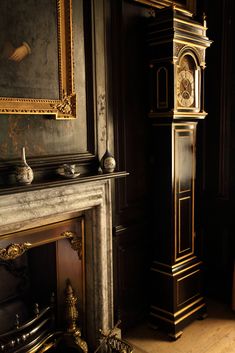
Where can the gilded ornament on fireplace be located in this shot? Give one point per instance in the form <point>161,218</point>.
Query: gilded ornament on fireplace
<point>112,343</point>
<point>75,241</point>
<point>13,251</point>
<point>71,316</point>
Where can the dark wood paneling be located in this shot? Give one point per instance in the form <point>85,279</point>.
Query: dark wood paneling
<point>132,152</point>
<point>131,274</point>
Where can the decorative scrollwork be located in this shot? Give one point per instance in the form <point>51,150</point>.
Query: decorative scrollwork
<point>112,343</point>
<point>13,251</point>
<point>65,107</point>
<point>75,241</point>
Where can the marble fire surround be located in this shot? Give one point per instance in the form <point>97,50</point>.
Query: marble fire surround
<point>35,208</point>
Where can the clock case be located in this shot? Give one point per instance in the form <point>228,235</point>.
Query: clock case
<point>176,271</point>
<point>173,36</point>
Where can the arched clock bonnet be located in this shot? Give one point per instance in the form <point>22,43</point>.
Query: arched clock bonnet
<point>176,53</point>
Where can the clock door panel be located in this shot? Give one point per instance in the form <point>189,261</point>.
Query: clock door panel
<point>184,137</point>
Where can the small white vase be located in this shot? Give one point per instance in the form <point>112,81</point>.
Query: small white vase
<point>24,174</point>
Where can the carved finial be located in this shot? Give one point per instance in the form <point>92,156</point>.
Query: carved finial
<point>204,17</point>
<point>71,308</point>
<point>71,316</point>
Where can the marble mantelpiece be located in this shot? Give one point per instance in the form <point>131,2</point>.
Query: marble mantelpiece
<point>35,208</point>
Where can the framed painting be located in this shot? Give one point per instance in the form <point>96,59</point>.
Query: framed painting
<point>36,58</point>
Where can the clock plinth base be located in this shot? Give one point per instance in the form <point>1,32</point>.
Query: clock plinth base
<point>175,336</point>
<point>176,296</point>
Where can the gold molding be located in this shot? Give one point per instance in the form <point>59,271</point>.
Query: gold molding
<point>163,272</point>
<point>13,251</point>
<point>192,136</point>
<point>65,106</point>
<point>177,313</point>
<point>160,4</point>
<point>177,273</point>
<point>176,265</point>
<point>180,319</point>
<point>191,24</point>
<point>189,43</point>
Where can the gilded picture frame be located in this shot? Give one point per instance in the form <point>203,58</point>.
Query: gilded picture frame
<point>37,75</point>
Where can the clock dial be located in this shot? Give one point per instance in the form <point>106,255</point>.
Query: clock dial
<point>185,88</point>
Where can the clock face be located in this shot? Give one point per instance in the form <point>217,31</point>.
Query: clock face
<point>185,88</point>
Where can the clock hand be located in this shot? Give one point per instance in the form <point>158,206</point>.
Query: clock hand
<point>185,84</point>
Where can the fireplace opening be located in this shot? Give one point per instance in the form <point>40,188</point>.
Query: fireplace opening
<point>38,268</point>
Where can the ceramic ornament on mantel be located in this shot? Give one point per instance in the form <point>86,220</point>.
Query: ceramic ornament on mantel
<point>107,162</point>
<point>24,173</point>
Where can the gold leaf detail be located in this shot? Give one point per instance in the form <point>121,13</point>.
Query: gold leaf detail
<point>13,251</point>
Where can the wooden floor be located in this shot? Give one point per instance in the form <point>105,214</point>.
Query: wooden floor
<point>215,334</point>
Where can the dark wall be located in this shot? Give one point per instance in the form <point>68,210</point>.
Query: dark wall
<point>131,216</point>
<point>217,139</point>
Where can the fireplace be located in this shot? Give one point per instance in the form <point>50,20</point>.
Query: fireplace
<point>63,232</point>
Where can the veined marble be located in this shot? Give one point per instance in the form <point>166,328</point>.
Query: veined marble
<point>40,207</point>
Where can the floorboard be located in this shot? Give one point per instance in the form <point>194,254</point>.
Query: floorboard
<point>215,334</point>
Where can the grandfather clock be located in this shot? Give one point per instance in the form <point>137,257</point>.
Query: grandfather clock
<point>176,53</point>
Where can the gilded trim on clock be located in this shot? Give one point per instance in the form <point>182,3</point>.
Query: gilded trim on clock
<point>177,313</point>
<point>160,4</point>
<point>176,265</point>
<point>176,218</point>
<point>180,319</point>
<point>176,273</point>
<point>191,24</point>
<point>196,45</point>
